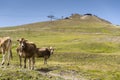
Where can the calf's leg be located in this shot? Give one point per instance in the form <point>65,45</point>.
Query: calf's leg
<point>45,59</point>
<point>20,61</point>
<point>33,62</point>
<point>25,63</point>
<point>29,63</point>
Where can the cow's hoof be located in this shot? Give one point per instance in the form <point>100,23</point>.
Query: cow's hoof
<point>8,64</point>
<point>32,68</point>
<point>24,66</point>
<point>3,63</point>
<point>20,66</point>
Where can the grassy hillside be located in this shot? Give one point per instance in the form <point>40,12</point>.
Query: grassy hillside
<point>86,48</point>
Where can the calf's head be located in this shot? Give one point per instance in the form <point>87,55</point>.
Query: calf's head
<point>51,49</point>
<point>22,43</point>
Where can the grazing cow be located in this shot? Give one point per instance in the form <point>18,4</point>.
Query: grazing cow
<point>45,53</point>
<point>26,50</point>
<point>5,46</point>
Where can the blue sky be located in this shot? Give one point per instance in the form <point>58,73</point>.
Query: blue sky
<point>18,12</point>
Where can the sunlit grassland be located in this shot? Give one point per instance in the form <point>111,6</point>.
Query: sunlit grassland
<point>89,55</point>
<point>81,51</point>
<point>69,42</point>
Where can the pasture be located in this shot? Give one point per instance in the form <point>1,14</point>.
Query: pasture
<point>92,54</point>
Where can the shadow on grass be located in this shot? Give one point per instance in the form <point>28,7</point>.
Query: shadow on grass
<point>48,69</point>
<point>45,70</point>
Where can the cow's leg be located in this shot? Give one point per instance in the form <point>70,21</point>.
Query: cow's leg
<point>4,57</point>
<point>20,61</point>
<point>33,62</point>
<point>11,54</point>
<point>25,63</point>
<point>45,60</point>
<point>29,63</point>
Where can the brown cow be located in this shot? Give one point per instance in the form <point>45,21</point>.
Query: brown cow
<point>45,53</point>
<point>6,45</point>
<point>26,50</point>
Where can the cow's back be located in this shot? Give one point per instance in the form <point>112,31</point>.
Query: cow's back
<point>41,52</point>
<point>30,50</point>
<point>5,43</point>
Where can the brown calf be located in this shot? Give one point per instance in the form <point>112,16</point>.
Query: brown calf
<point>26,50</point>
<point>45,53</point>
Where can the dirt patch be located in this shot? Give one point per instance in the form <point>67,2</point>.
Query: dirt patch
<point>63,74</point>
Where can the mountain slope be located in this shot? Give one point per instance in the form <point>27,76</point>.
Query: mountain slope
<point>86,23</point>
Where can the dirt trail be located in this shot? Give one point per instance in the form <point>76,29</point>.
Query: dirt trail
<point>62,75</point>
<point>67,77</point>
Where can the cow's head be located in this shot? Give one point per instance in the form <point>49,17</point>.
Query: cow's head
<point>51,49</point>
<point>22,43</point>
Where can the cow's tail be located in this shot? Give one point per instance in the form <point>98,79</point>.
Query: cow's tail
<point>10,45</point>
<point>11,49</point>
<point>11,54</point>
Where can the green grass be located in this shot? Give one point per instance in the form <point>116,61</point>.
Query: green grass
<point>82,50</point>
<point>88,55</point>
<point>22,74</point>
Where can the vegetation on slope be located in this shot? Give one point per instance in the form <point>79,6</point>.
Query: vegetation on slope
<point>86,49</point>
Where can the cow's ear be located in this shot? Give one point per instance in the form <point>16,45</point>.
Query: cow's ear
<point>26,40</point>
<point>18,40</point>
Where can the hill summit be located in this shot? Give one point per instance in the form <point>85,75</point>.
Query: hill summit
<point>87,17</point>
